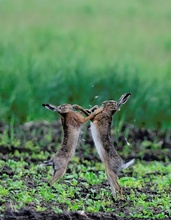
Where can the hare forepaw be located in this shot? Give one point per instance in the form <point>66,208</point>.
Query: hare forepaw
<point>76,107</point>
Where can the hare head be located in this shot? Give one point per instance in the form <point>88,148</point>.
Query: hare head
<point>62,109</point>
<point>113,106</point>
<point>65,108</point>
<point>110,105</point>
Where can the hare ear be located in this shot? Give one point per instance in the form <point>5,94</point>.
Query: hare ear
<point>50,107</point>
<point>123,99</point>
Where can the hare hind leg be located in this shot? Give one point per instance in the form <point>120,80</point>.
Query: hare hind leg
<point>112,186</point>
<point>113,180</point>
<point>57,174</point>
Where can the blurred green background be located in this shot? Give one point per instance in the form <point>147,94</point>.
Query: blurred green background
<point>86,52</point>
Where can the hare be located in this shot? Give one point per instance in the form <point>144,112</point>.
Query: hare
<point>71,123</point>
<point>101,132</point>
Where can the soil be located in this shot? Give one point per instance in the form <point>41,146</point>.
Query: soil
<point>131,142</point>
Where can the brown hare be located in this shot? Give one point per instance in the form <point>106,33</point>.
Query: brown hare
<point>71,123</point>
<point>101,132</point>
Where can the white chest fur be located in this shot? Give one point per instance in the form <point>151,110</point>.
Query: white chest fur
<point>96,139</point>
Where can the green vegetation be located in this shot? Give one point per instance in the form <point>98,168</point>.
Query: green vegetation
<point>85,52</point>
<point>74,51</point>
<point>28,187</point>
<point>23,183</point>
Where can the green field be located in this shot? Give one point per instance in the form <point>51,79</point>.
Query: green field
<point>84,187</point>
<point>76,51</point>
<point>84,52</point>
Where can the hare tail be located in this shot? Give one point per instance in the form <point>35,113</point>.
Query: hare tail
<point>126,165</point>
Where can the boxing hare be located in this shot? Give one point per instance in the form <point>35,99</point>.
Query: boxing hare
<point>71,123</point>
<point>101,133</point>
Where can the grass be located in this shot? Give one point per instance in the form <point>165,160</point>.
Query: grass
<point>84,186</point>
<point>75,51</point>
<point>17,193</point>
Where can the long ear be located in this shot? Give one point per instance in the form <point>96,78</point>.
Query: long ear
<point>50,107</point>
<point>123,99</point>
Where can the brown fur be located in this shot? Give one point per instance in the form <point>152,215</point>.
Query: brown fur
<point>101,132</point>
<point>71,123</point>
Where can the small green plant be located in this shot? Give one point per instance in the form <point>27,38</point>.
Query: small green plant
<point>39,208</point>
<point>132,182</point>
<point>3,192</point>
